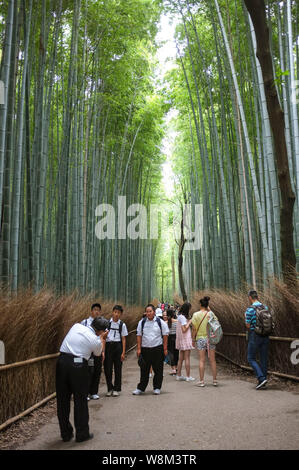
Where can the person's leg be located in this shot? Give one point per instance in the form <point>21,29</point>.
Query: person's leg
<point>95,375</point>
<point>180,363</point>
<point>145,369</point>
<point>79,385</point>
<point>263,345</point>
<point>176,357</point>
<point>117,364</point>
<point>158,362</point>
<point>251,356</point>
<point>108,366</point>
<point>63,397</point>
<point>174,354</point>
<point>187,363</point>
<point>202,361</point>
<point>212,360</point>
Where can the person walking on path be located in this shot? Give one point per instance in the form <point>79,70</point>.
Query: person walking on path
<point>184,341</point>
<point>95,362</point>
<point>256,343</point>
<point>152,336</point>
<point>72,376</point>
<point>200,338</point>
<point>115,351</point>
<point>173,352</point>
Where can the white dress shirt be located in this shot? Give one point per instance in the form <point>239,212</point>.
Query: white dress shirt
<point>151,336</point>
<point>159,312</point>
<point>113,335</point>
<point>82,341</point>
<point>87,321</point>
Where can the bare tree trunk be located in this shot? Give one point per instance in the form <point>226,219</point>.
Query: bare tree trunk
<point>256,9</point>
<point>180,260</point>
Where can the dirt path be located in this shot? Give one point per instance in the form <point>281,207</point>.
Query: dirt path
<point>184,417</point>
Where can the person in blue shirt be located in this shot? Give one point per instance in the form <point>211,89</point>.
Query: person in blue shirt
<point>256,343</point>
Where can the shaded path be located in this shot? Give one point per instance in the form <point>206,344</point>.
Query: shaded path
<point>184,417</point>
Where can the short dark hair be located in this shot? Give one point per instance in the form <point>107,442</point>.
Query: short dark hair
<point>100,324</point>
<point>152,307</point>
<point>118,307</point>
<point>253,294</point>
<point>96,305</point>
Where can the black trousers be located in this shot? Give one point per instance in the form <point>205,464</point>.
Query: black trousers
<point>173,352</point>
<point>153,357</point>
<point>72,379</point>
<point>112,361</point>
<point>94,375</point>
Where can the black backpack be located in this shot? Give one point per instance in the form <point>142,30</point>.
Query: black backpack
<point>264,320</point>
<point>158,321</point>
<point>119,329</point>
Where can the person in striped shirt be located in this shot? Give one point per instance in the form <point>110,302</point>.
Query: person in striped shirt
<point>256,343</point>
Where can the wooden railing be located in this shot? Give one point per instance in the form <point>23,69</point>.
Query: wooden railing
<point>283,339</point>
<point>44,400</point>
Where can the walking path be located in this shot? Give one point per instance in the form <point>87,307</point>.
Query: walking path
<point>184,417</point>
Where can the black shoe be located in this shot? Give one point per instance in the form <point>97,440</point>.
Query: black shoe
<point>261,384</point>
<point>68,438</point>
<point>82,439</point>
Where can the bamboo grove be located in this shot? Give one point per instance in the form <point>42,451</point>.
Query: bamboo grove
<point>224,155</point>
<point>81,125</point>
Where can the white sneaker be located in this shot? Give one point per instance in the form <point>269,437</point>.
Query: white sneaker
<point>115,393</point>
<point>189,379</point>
<point>157,391</point>
<point>94,397</point>
<point>180,377</point>
<point>109,394</point>
<point>200,384</point>
<point>137,392</point>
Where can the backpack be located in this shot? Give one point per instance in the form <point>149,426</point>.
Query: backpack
<point>214,329</point>
<point>264,320</point>
<point>158,321</point>
<point>120,325</point>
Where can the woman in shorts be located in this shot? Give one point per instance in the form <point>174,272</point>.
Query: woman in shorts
<point>200,338</point>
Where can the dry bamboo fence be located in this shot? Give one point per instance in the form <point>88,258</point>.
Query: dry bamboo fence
<point>233,347</point>
<point>17,400</point>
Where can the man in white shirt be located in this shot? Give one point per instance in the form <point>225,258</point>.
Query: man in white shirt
<point>152,338</point>
<point>95,363</point>
<point>159,312</point>
<point>115,351</point>
<point>72,376</point>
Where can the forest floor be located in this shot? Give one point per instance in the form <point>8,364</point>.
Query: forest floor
<point>184,417</point>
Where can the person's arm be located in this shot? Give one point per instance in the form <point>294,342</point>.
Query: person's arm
<point>123,340</point>
<point>185,328</point>
<point>103,338</point>
<point>248,318</point>
<point>139,339</point>
<point>193,333</point>
<point>165,343</point>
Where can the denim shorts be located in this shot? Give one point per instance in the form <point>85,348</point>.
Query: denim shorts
<point>202,344</point>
